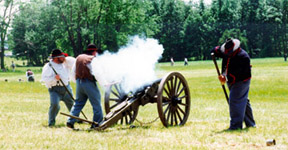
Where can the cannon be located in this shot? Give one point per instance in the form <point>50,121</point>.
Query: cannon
<point>171,93</point>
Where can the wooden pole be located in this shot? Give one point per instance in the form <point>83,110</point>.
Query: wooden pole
<point>85,120</point>
<point>218,72</point>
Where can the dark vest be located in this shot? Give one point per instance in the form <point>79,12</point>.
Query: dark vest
<point>82,71</point>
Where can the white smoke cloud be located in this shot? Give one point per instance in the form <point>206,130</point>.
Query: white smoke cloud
<point>133,65</point>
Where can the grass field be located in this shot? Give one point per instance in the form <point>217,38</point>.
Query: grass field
<point>24,114</point>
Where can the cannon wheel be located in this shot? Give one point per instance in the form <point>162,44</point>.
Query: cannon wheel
<point>173,100</point>
<point>113,97</point>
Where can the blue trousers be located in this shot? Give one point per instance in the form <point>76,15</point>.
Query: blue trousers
<point>86,89</point>
<point>58,93</point>
<point>239,106</point>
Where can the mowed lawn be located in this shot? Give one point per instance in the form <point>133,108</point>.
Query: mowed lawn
<point>24,114</point>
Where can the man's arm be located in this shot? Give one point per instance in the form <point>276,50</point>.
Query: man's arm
<point>47,74</point>
<point>217,52</point>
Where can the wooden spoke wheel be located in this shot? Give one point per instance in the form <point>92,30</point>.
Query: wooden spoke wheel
<point>173,100</point>
<point>114,95</point>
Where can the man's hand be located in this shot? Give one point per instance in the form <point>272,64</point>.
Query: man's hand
<point>57,77</point>
<point>222,79</point>
<point>215,49</point>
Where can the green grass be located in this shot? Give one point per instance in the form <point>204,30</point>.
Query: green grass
<point>24,113</point>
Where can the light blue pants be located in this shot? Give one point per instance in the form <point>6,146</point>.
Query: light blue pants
<point>58,93</point>
<point>86,89</point>
<point>239,106</point>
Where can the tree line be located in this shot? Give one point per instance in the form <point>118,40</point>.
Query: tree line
<point>184,29</point>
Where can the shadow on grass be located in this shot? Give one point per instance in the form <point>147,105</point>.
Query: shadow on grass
<point>110,129</point>
<point>234,131</point>
<point>55,126</point>
<point>107,130</point>
<point>133,127</point>
<point>62,125</point>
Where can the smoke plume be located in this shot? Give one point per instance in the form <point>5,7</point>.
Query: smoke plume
<point>132,66</point>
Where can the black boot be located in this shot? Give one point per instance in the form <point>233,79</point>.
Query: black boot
<point>70,125</point>
<point>93,126</point>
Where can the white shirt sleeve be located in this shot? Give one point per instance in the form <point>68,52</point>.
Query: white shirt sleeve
<point>73,73</point>
<point>48,76</point>
<point>69,63</point>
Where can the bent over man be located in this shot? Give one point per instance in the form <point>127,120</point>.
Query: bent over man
<point>86,87</point>
<point>56,90</point>
<point>236,71</point>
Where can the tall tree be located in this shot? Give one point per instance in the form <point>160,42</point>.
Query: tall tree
<point>5,22</point>
<point>250,21</point>
<point>201,32</point>
<point>172,18</point>
<point>270,21</point>
<point>285,25</point>
<point>107,23</point>
<point>34,32</point>
<point>71,17</point>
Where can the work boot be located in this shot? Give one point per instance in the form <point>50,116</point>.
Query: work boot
<point>51,125</point>
<point>80,121</point>
<point>254,126</point>
<point>70,125</point>
<point>93,126</point>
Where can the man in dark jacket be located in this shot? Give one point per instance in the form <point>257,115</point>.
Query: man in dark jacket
<point>236,71</point>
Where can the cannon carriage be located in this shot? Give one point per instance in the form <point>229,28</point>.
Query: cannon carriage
<point>171,94</point>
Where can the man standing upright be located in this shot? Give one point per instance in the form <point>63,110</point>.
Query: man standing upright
<point>172,61</point>
<point>56,90</point>
<point>236,71</point>
<point>86,87</point>
<point>13,66</point>
<point>185,61</point>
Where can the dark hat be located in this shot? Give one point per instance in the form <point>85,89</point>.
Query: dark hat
<point>230,46</point>
<point>57,53</point>
<point>91,47</point>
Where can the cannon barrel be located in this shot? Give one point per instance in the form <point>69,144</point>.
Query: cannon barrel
<point>142,96</point>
